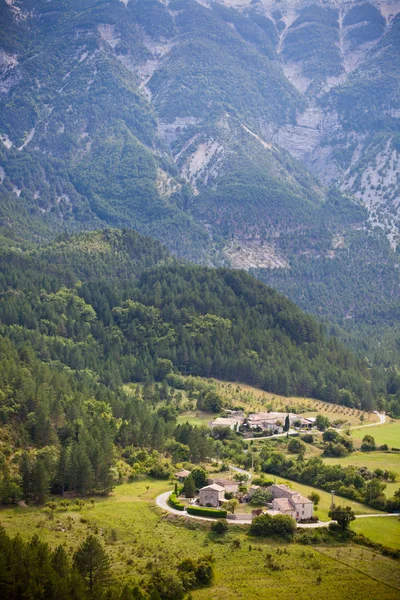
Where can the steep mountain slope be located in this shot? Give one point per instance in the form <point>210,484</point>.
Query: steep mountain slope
<point>148,115</point>
<point>237,132</point>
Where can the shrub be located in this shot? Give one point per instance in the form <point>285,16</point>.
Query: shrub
<point>296,446</point>
<point>196,573</point>
<point>308,438</point>
<point>261,497</point>
<point>174,502</point>
<point>213,513</point>
<point>368,444</point>
<point>220,526</point>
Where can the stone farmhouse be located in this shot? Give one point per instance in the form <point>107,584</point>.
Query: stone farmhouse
<point>271,421</point>
<point>181,476</point>
<point>212,495</point>
<point>290,502</point>
<point>232,422</point>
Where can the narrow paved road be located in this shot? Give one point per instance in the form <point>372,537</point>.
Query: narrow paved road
<point>162,502</point>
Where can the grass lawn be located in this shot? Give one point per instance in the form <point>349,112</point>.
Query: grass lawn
<point>138,537</point>
<point>325,502</point>
<point>384,530</point>
<point>372,460</point>
<point>389,434</point>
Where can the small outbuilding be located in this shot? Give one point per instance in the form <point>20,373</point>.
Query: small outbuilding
<point>182,475</point>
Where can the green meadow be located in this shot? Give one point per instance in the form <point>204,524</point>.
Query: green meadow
<point>384,530</point>
<point>371,460</point>
<point>389,433</point>
<point>138,537</point>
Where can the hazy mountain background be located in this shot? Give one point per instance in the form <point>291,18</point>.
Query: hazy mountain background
<point>262,135</point>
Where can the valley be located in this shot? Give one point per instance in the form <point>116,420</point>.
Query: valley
<point>199,299</point>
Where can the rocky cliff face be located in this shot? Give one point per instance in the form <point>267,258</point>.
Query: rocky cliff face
<point>215,121</point>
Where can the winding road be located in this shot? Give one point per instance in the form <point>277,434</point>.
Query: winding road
<point>162,502</point>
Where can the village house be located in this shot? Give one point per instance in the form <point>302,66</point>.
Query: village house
<point>212,495</point>
<point>290,502</point>
<point>271,421</point>
<point>232,422</point>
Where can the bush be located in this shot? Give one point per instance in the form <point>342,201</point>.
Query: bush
<point>174,502</point>
<point>196,573</point>
<point>214,513</point>
<point>308,438</point>
<point>279,526</point>
<point>368,444</point>
<point>296,446</point>
<point>220,526</point>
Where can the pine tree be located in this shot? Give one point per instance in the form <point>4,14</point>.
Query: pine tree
<point>92,562</point>
<point>40,482</point>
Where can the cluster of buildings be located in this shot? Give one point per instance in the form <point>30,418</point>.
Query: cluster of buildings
<point>284,500</point>
<point>270,422</point>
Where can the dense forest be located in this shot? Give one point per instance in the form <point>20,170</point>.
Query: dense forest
<point>84,316</point>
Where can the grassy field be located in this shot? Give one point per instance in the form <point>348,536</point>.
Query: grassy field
<point>384,530</point>
<point>366,561</point>
<point>138,537</point>
<point>196,417</point>
<point>326,499</point>
<point>389,434</point>
<point>371,460</point>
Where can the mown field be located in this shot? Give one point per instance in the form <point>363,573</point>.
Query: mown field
<point>371,460</point>
<point>384,530</point>
<point>138,537</point>
<point>389,433</point>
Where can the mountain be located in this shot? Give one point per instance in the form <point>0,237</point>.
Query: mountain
<point>238,133</point>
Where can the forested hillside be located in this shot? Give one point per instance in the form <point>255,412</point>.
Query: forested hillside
<point>85,315</point>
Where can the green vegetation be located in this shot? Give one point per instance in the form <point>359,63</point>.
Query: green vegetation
<point>383,530</point>
<point>281,526</point>
<point>389,434</point>
<point>372,460</point>
<point>174,502</point>
<point>135,537</point>
<point>314,32</point>
<point>212,513</point>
